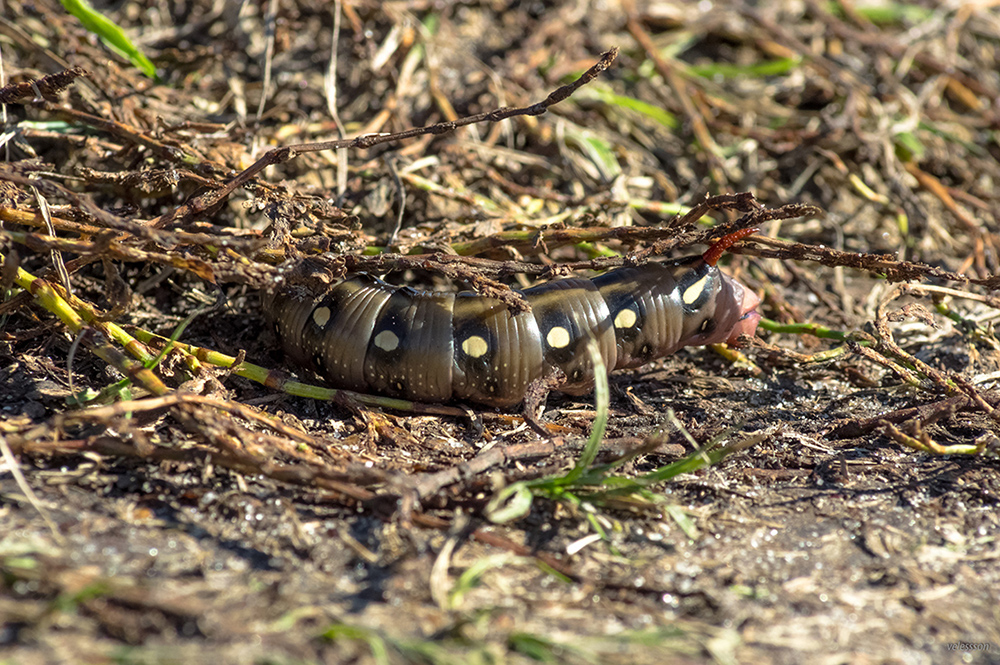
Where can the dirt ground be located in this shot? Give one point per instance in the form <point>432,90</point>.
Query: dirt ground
<point>184,511</point>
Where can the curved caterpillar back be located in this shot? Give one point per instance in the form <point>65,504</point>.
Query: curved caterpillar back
<point>365,335</point>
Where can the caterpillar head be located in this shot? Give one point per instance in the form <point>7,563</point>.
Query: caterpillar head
<point>717,308</point>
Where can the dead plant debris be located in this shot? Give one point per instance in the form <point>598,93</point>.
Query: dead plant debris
<point>166,487</point>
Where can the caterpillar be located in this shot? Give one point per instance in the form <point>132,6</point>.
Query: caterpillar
<point>428,346</point>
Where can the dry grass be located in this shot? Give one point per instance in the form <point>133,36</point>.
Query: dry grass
<point>187,500</point>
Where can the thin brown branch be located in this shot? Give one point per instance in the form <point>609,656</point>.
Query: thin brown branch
<point>880,264</point>
<point>209,201</point>
<point>46,86</point>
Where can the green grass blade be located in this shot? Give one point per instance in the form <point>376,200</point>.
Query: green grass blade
<point>174,336</point>
<point>756,70</point>
<point>707,456</point>
<point>596,149</point>
<point>682,520</point>
<point>693,462</point>
<point>509,504</point>
<point>112,36</point>
<point>602,395</point>
<point>885,13</point>
<point>651,111</point>
<point>375,642</point>
<point>472,575</point>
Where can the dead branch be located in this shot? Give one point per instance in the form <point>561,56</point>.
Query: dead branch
<point>211,200</point>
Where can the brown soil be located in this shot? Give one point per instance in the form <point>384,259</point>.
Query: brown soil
<point>196,516</point>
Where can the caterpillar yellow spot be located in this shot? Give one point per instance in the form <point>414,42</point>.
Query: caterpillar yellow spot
<point>558,337</point>
<point>625,319</point>
<point>387,340</point>
<point>475,346</point>
<point>693,292</point>
<point>321,316</point>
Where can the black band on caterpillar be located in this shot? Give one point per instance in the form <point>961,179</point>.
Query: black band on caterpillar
<point>368,336</point>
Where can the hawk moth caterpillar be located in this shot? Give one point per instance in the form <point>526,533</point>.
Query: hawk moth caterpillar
<point>368,336</point>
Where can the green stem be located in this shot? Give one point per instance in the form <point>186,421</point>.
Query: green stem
<point>814,329</point>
